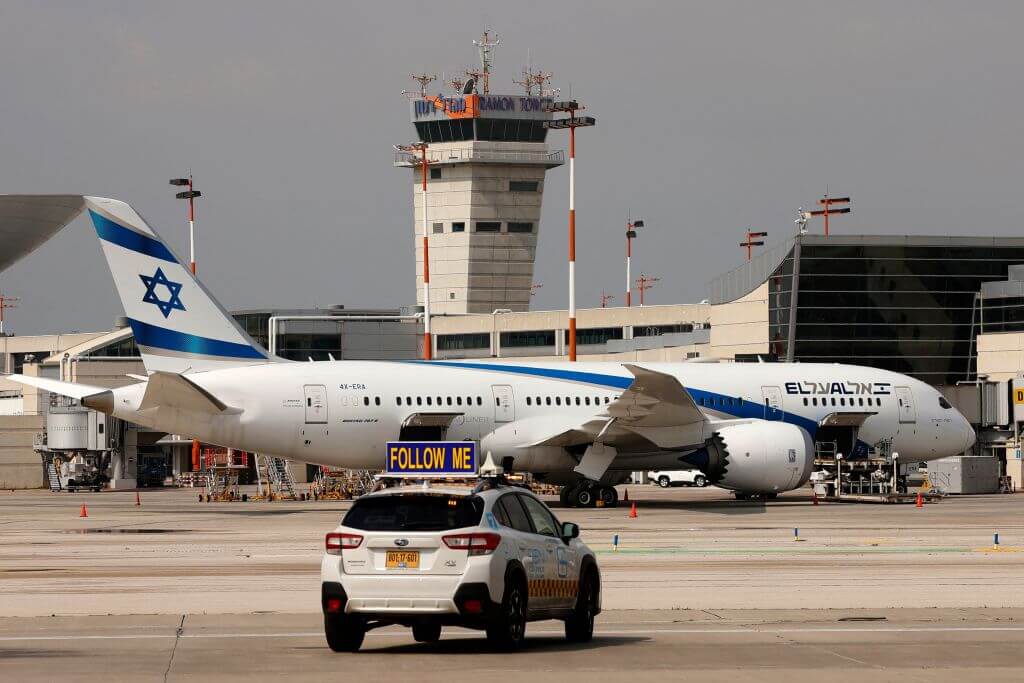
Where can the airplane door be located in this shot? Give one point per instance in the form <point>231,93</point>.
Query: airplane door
<point>316,404</point>
<point>905,401</point>
<point>772,403</point>
<point>504,406</point>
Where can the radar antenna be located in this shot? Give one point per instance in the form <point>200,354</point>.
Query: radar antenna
<point>424,80</point>
<point>486,46</point>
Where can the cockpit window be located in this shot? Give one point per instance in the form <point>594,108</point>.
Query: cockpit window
<point>944,403</point>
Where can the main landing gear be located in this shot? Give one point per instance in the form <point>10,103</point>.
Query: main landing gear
<point>586,494</point>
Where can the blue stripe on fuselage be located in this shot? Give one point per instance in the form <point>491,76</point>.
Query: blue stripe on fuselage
<point>722,403</point>
<point>117,234</point>
<point>162,338</point>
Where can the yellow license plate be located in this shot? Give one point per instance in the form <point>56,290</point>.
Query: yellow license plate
<point>402,559</point>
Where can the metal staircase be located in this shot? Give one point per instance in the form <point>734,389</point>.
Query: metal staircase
<point>52,476</point>
<point>273,474</point>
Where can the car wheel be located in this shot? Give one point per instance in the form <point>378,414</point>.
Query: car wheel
<point>579,627</point>
<point>700,481</point>
<point>609,496</point>
<point>507,629</point>
<point>344,633</point>
<point>664,482</point>
<point>426,633</point>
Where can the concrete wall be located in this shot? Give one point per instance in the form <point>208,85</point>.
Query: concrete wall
<point>20,466</point>
<point>740,326</point>
<point>1001,355</point>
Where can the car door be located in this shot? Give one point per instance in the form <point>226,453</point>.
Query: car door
<point>528,547</point>
<point>558,588</point>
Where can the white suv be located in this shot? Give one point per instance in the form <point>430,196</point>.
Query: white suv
<point>666,478</point>
<point>491,558</point>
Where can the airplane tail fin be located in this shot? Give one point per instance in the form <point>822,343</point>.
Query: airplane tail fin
<point>179,326</point>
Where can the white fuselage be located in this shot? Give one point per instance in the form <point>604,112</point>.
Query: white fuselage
<point>342,413</point>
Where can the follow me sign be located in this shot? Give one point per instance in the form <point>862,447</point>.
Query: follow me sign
<point>431,458</point>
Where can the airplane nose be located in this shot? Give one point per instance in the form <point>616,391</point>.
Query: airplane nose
<point>969,436</point>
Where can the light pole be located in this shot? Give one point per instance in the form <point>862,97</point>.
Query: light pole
<point>190,194</point>
<point>751,242</point>
<point>421,147</point>
<point>643,283</point>
<point>5,303</point>
<point>827,202</point>
<point>572,122</point>
<point>631,227</point>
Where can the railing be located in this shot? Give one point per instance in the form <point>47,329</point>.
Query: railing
<point>452,156</point>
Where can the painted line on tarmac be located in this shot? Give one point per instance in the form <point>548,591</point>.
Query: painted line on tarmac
<point>802,550</point>
<point>612,632</point>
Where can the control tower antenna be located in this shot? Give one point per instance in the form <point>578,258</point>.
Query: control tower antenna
<point>486,46</point>
<point>456,83</point>
<point>5,303</point>
<point>527,81</point>
<point>424,80</point>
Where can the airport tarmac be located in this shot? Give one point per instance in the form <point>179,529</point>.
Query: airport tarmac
<point>699,583</point>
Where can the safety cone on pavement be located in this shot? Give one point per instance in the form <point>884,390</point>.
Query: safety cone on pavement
<point>632,511</point>
<point>920,501</point>
<point>625,495</point>
<point>138,502</point>
<point>84,512</point>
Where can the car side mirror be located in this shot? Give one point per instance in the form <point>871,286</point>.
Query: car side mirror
<point>570,531</point>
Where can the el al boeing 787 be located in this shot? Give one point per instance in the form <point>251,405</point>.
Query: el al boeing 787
<point>751,428</point>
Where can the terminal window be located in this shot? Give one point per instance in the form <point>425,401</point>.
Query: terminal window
<point>523,185</point>
<point>598,335</point>
<point>457,342</point>
<point>435,174</point>
<point>530,338</point>
<point>488,226</point>
<point>514,226</point>
<point>458,227</point>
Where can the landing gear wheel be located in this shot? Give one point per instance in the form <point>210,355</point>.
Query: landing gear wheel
<point>609,496</point>
<point>699,481</point>
<point>344,633</point>
<point>742,495</point>
<point>664,482</point>
<point>579,627</point>
<point>426,633</point>
<point>565,495</point>
<point>507,630</point>
<point>583,497</point>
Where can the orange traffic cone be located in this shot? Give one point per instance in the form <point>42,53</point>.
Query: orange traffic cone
<point>84,512</point>
<point>920,501</point>
<point>632,511</point>
<point>625,496</point>
<point>137,501</point>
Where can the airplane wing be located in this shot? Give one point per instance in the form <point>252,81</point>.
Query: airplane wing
<point>27,221</point>
<point>655,407</point>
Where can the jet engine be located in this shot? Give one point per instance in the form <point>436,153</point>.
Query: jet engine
<point>760,457</point>
<point>507,441</point>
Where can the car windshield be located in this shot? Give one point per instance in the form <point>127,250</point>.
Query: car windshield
<point>414,512</point>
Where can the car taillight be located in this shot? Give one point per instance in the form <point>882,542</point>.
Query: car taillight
<point>334,543</point>
<point>476,544</point>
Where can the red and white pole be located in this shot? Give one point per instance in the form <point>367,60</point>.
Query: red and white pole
<point>191,227</point>
<point>629,259</point>
<point>572,240</point>
<point>428,352</point>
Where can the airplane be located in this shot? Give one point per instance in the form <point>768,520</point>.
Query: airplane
<point>749,427</point>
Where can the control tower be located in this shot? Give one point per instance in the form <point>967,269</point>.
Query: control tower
<point>486,156</point>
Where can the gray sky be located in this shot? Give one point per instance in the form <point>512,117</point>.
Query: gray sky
<point>712,117</point>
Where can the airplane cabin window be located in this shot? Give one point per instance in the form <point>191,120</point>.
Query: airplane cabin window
<point>449,400</point>
<point>558,400</point>
<point>586,400</point>
<point>805,400</point>
<point>479,401</point>
<point>529,401</point>
<point>458,400</point>
<point>547,400</point>
<point>419,400</point>
<point>398,400</point>
<point>376,400</point>
<point>366,400</point>
<point>577,400</point>
<point>428,401</point>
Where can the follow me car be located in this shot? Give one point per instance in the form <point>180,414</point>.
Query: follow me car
<point>490,557</point>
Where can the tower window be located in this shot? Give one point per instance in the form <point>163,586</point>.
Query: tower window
<point>519,227</point>
<point>523,185</point>
<point>459,226</point>
<point>438,228</point>
<point>488,226</point>
<point>435,174</point>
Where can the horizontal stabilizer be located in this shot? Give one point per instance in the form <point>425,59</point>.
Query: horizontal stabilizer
<point>174,391</point>
<point>69,389</point>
